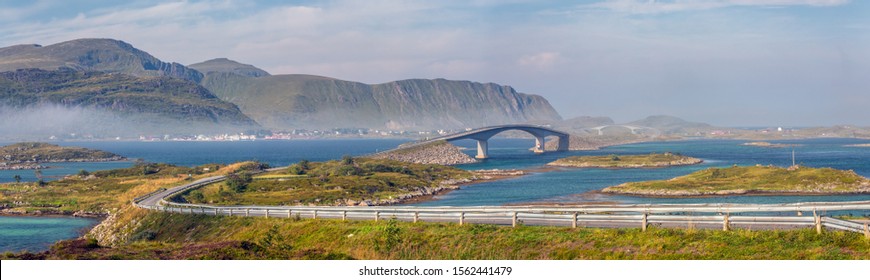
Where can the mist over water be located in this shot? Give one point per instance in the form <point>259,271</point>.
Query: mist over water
<point>53,120</point>
<point>57,122</point>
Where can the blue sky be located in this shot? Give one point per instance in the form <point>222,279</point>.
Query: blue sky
<point>726,62</point>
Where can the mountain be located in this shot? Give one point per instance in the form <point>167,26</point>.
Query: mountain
<point>112,79</point>
<point>306,101</point>
<point>223,65</point>
<point>103,55</point>
<point>110,102</point>
<point>673,125</point>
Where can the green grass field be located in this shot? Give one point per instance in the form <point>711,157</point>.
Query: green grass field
<point>626,161</point>
<point>752,179</point>
<point>174,236</point>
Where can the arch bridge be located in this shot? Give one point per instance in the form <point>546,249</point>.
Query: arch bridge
<point>482,135</point>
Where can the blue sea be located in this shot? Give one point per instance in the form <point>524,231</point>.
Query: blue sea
<point>565,185</point>
<point>35,234</point>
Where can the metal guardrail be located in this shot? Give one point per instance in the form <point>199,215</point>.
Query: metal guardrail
<point>633,215</point>
<point>146,196</point>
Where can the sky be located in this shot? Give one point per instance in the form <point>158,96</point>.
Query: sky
<point>724,62</point>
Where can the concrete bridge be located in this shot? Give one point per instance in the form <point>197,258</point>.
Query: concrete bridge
<point>482,135</point>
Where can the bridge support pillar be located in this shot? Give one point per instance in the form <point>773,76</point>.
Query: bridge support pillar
<point>563,144</point>
<point>481,149</point>
<point>539,145</point>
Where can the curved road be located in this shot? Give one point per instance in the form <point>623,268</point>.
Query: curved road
<point>632,215</point>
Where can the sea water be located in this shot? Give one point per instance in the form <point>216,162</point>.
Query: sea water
<point>562,185</point>
<point>35,234</point>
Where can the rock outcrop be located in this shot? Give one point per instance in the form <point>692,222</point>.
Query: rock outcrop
<point>440,152</point>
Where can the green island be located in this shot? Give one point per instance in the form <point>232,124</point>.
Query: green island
<point>128,232</point>
<point>751,180</point>
<point>346,182</point>
<point>770,145</point>
<point>626,161</point>
<point>28,155</point>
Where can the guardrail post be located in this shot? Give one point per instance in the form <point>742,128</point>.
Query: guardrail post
<point>267,213</point>
<point>289,212</point>
<point>314,215</point>
<point>461,218</point>
<point>344,215</point>
<point>866,230</point>
<point>247,212</point>
<point>202,210</point>
<point>215,211</point>
<point>574,220</point>
<point>818,223</point>
<point>726,223</point>
<point>416,216</point>
<point>514,220</point>
<point>377,216</point>
<point>643,222</point>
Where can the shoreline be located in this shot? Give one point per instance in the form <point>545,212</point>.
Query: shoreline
<point>39,165</point>
<point>748,193</point>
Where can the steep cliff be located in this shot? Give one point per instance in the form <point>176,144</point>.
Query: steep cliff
<point>305,101</point>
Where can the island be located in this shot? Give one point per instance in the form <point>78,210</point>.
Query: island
<point>770,145</point>
<point>751,180</point>
<point>30,155</point>
<point>626,161</point>
<point>346,182</point>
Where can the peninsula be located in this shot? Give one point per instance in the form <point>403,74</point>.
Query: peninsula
<point>770,145</point>
<point>29,155</point>
<point>626,161</point>
<point>750,180</point>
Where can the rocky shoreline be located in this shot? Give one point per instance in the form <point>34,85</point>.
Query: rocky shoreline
<point>443,187</point>
<point>568,162</point>
<point>31,165</point>
<point>699,194</point>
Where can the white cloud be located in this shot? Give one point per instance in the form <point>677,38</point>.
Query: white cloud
<point>540,60</point>
<point>592,63</point>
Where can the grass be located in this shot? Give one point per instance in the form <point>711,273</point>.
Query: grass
<point>626,161</point>
<point>101,191</point>
<point>44,152</point>
<point>175,236</point>
<point>330,183</point>
<point>752,179</point>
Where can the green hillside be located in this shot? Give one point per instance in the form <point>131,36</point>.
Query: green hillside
<point>305,101</point>
<point>103,55</point>
<point>154,100</point>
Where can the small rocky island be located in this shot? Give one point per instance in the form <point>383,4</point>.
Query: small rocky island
<point>30,155</point>
<point>439,152</point>
<point>751,180</point>
<point>770,145</point>
<point>626,161</point>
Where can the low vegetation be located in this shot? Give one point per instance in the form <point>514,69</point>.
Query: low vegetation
<point>96,192</point>
<point>35,152</point>
<point>626,161</point>
<point>177,236</point>
<point>133,233</point>
<point>350,181</point>
<point>751,180</point>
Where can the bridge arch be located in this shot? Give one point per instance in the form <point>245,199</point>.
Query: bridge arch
<point>482,135</point>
